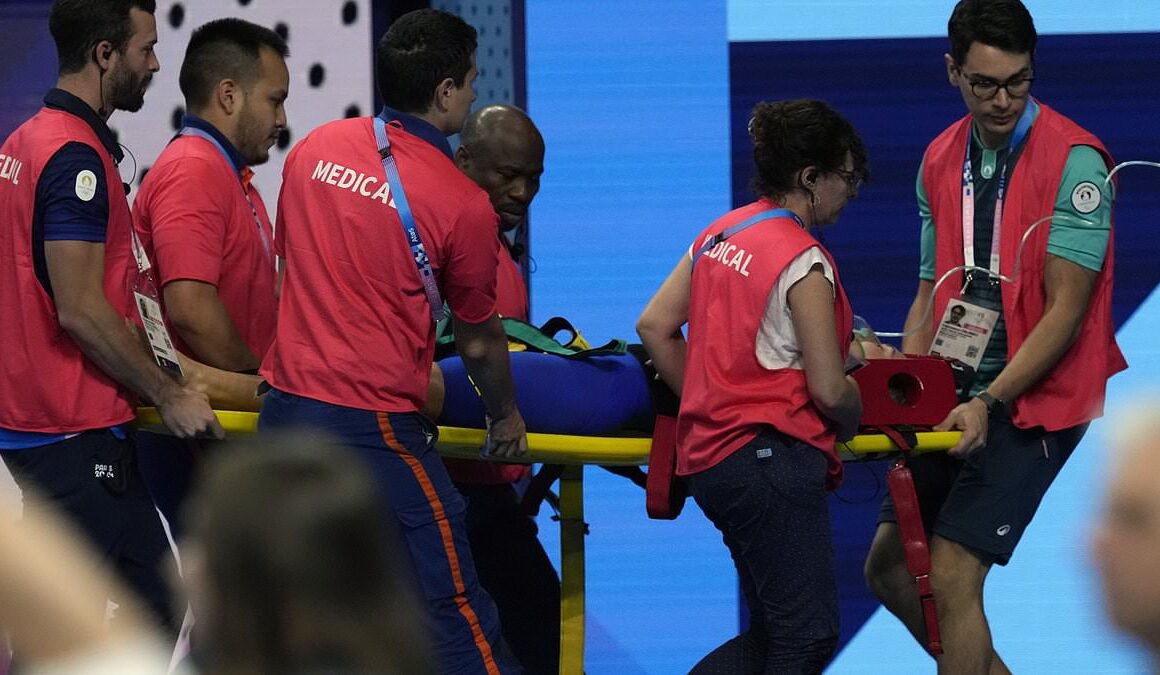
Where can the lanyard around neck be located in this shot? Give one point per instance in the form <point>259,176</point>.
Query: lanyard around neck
<point>1022,128</point>
<point>200,133</point>
<point>743,225</point>
<point>410,229</point>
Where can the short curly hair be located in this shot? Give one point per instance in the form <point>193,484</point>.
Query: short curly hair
<point>788,136</point>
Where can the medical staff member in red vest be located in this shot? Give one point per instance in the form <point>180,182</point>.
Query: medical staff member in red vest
<point>377,227</point>
<point>764,394</point>
<point>501,149</point>
<point>205,226</point>
<point>71,368</point>
<point>1041,338</point>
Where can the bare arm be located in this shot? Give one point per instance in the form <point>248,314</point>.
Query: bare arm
<point>76,272</point>
<point>225,389</point>
<point>811,302</point>
<point>483,348</point>
<point>1068,288</point>
<point>918,321</point>
<point>199,317</point>
<point>659,325</point>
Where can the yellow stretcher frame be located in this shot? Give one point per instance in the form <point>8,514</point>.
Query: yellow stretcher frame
<point>574,452</point>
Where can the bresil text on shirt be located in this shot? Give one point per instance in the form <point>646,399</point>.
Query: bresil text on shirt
<point>731,256</point>
<point>10,169</point>
<point>345,178</point>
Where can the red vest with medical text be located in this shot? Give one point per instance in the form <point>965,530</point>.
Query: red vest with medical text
<point>46,382</point>
<point>354,324</point>
<point>728,395</point>
<point>1072,392</point>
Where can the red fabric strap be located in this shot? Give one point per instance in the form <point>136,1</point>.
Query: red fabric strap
<point>914,546</point>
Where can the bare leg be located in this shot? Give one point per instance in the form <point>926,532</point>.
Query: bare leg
<point>888,578</point>
<point>958,578</point>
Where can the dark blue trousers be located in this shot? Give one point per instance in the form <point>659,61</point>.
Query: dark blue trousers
<point>768,499</point>
<point>399,449</point>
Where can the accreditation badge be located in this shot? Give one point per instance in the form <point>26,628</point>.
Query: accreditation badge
<point>146,300</point>
<point>964,332</point>
<point>159,341</point>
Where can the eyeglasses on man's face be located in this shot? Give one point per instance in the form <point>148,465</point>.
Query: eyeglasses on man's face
<point>985,88</point>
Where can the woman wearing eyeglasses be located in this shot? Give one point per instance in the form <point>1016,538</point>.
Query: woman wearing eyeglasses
<point>764,394</point>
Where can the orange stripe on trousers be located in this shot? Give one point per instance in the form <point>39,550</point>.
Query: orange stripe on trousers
<point>448,541</point>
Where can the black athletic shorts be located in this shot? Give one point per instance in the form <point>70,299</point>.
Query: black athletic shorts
<point>988,499</point>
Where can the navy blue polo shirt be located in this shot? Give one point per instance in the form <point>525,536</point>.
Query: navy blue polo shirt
<point>60,215</point>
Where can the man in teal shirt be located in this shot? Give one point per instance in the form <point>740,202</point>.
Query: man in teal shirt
<point>1042,372</point>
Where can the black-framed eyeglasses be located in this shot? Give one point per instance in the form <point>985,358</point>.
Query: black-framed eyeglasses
<point>853,178</point>
<point>985,89</point>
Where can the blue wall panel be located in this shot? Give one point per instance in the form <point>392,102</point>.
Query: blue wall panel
<point>633,101</point>
<point>896,93</point>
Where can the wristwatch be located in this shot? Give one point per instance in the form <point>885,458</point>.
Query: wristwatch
<point>990,401</point>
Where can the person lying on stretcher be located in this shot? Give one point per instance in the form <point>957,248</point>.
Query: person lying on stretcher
<point>598,395</point>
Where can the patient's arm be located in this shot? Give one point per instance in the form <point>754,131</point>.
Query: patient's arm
<point>238,391</point>
<point>226,390</point>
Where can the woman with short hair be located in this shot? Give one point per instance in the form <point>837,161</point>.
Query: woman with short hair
<point>763,384</point>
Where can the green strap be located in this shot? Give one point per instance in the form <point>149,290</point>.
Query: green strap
<point>540,339</point>
<point>543,339</point>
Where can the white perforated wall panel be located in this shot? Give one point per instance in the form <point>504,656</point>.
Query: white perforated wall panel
<point>330,73</point>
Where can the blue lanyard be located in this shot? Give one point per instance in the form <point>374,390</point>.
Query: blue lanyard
<point>410,229</point>
<point>743,225</point>
<point>193,131</point>
<point>1022,128</point>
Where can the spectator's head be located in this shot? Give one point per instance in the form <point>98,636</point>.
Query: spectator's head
<point>1126,542</point>
<point>503,152</point>
<point>992,62</point>
<point>113,41</point>
<point>425,66</point>
<point>234,75</point>
<point>291,563</point>
<point>805,148</point>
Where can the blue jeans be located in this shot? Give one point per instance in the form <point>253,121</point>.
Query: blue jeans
<point>768,499</point>
<point>399,450</point>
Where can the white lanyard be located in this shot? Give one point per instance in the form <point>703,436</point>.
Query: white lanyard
<point>1021,130</point>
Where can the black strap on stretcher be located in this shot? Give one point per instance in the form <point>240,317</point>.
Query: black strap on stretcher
<point>912,533</point>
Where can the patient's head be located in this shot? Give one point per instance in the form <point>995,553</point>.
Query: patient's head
<point>291,565</point>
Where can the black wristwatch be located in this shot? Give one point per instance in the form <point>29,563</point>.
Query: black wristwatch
<point>990,401</point>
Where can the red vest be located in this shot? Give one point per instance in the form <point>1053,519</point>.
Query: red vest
<point>1072,392</point>
<point>511,294</point>
<point>728,395</point>
<point>46,383</point>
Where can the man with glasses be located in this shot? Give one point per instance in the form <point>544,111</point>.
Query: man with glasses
<point>1043,361</point>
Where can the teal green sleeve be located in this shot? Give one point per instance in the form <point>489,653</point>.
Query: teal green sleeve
<point>1082,218</point>
<point>926,254</point>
